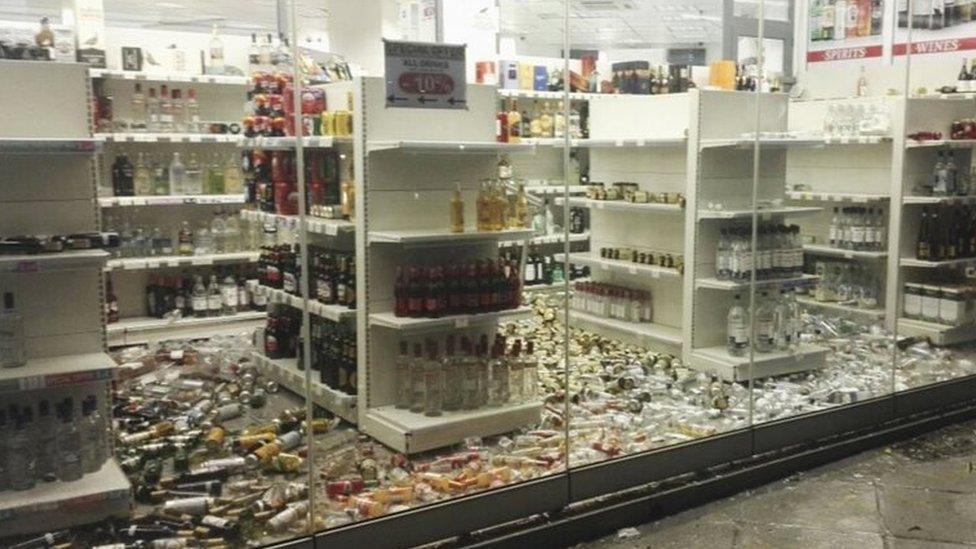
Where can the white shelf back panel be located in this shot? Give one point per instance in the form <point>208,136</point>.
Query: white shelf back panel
<point>45,178</point>
<point>640,116</point>
<point>862,169</point>
<point>477,123</point>
<point>217,103</point>
<point>654,169</point>
<point>61,88</point>
<point>727,115</point>
<point>61,217</point>
<point>935,115</point>
<point>808,116</point>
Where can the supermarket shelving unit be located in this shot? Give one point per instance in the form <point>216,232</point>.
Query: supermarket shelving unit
<point>48,186</point>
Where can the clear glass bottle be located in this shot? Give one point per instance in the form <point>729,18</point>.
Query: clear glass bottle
<point>218,232</point>
<point>165,110</point>
<point>765,325</point>
<point>433,382</point>
<point>177,175</point>
<point>13,348</point>
<point>417,381</point>
<point>69,444</point>
<point>469,383</point>
<point>232,234</point>
<point>160,176</point>
<point>137,106</point>
<point>216,52</point>
<point>21,460</point>
<point>203,240</point>
<point>737,328</point>
<point>152,111</point>
<point>192,176</point>
<point>142,179</point>
<point>178,107</point>
<point>191,109</point>
<point>93,449</point>
<point>47,442</point>
<point>233,181</point>
<point>214,297</point>
<point>403,388</point>
<point>228,291</point>
<point>198,299</point>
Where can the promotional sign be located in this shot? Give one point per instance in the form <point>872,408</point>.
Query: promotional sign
<point>844,29</point>
<point>425,75</point>
<point>937,27</point>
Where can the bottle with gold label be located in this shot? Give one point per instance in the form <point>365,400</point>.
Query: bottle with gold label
<point>514,123</point>
<point>500,210</point>
<point>482,207</point>
<point>457,210</point>
<point>348,199</point>
<point>521,209</point>
<point>545,121</point>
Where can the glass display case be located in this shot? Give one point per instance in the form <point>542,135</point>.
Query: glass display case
<point>305,273</point>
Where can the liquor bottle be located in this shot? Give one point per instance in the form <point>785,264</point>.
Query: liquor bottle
<point>433,382</point>
<point>963,80</point>
<point>203,241</point>
<point>142,177</point>
<point>514,122</point>
<point>228,301</point>
<point>851,19</point>
<point>165,110</point>
<point>191,110</point>
<point>232,234</point>
<point>21,461</point>
<point>501,126</point>
<point>179,111</point>
<point>214,301</point>
<point>46,467</point>
<point>403,387</point>
<point>215,176</point>
<point>233,181</point>
<point>840,19</point>
<point>522,219</point>
<point>218,232</point>
<point>877,17</point>
<point>481,207</point>
<point>216,52</point>
<point>160,176</point>
<point>138,107</point>
<point>177,175</point>
<point>545,122</point>
<point>417,380</point>
<point>69,444</point>
<point>93,450</point>
<point>864,18</point>
<point>737,329</point>
<point>457,210</point>
<point>13,351</point>
<point>862,82</point>
<point>952,174</point>
<point>123,175</point>
<point>192,177</point>
<point>152,111</point>
<point>111,304</point>
<point>559,122</point>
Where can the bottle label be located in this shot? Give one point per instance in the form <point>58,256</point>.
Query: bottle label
<point>765,331</point>
<point>213,302</point>
<point>199,303</point>
<point>289,283</point>
<point>230,297</point>
<point>738,334</point>
<point>857,234</point>
<point>260,298</point>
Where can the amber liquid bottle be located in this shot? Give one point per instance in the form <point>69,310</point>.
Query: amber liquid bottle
<point>457,210</point>
<point>521,209</point>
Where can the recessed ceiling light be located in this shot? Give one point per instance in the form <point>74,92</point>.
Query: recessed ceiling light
<point>170,5</point>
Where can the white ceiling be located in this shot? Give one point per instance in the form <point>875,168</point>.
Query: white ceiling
<point>613,23</point>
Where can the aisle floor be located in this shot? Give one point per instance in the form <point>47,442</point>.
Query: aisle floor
<point>920,493</point>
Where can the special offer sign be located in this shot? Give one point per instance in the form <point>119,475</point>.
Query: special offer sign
<point>425,75</point>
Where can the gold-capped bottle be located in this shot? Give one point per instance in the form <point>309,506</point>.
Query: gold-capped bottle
<point>457,210</point>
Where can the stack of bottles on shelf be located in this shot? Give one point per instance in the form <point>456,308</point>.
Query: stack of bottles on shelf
<point>225,232</point>
<point>495,208</point>
<point>332,344</point>
<point>966,79</point>
<point>272,184</point>
<point>857,119</point>
<point>948,303</point>
<point>631,192</point>
<point>332,272</point>
<point>946,233</point>
<point>464,287</point>
<point>858,229</point>
<point>641,257</point>
<point>466,378</point>
<point>946,178</point>
<point>777,323</point>
<point>153,175</point>
<point>778,253</point>
<point>51,437</point>
<point>832,20</point>
<point>512,125</point>
<point>612,301</point>
<point>847,283</point>
<point>169,111</point>
<point>963,129</point>
<point>199,296</point>
<point>52,244</point>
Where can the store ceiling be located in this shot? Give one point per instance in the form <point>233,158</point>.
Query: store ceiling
<point>613,23</point>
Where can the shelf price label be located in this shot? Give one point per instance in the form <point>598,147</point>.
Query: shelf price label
<point>423,75</point>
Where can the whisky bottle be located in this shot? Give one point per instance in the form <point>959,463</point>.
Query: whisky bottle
<point>482,207</point>
<point>521,209</point>
<point>514,119</point>
<point>457,210</point>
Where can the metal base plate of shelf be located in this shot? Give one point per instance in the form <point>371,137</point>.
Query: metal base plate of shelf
<point>940,334</point>
<point>143,330</point>
<point>410,432</point>
<point>717,361</point>
<point>285,371</point>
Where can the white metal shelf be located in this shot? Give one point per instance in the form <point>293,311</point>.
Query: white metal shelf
<point>315,225</point>
<point>718,361</point>
<point>51,506</point>
<point>621,205</point>
<point>626,142</point>
<point>949,143</point>
<point>544,94</point>
<point>164,261</point>
<point>857,198</point>
<point>554,287</point>
<point>731,285</point>
<point>290,142</point>
<point>939,200</point>
<point>548,239</point>
<point>798,142</point>
<point>226,80</point>
<point>147,137</point>
<point>949,263</point>
<point>593,260</point>
<point>285,371</point>
<point>44,145</point>
<point>58,371</point>
<point>940,334</point>
<point>841,308</point>
<point>335,313</point>
<point>141,330</point>
<point>651,331</point>
<point>389,320</point>
<point>445,236</point>
<point>820,249</point>
<point>788,211</point>
<point>53,262</point>
<point>554,189</point>
<point>170,200</point>
<point>412,432</point>
<point>431,146</point>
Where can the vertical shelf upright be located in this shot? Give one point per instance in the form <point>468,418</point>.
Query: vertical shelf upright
<point>47,186</point>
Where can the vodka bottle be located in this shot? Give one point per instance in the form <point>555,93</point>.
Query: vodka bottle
<point>193,176</point>
<point>47,442</point>
<point>142,180</point>
<point>216,52</point>
<point>160,177</point>
<point>177,175</point>
<point>152,111</point>
<point>229,295</point>
<point>214,297</point>
<point>138,106</point>
<point>179,111</point>
<point>69,444</point>
<point>834,231</point>
<point>198,299</point>
<point>191,108</point>
<point>232,234</point>
<point>203,240</point>
<point>218,232</point>
<point>737,328</point>
<point>92,451</point>
<point>433,382</point>
<point>403,378</point>
<point>417,382</point>
<point>233,181</point>
<point>20,451</point>
<point>165,110</point>
<point>723,257</point>
<point>765,325</point>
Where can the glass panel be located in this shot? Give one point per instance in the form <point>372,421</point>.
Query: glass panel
<point>775,10</point>
<point>934,246</point>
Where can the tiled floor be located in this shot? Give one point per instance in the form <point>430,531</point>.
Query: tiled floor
<point>915,494</point>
